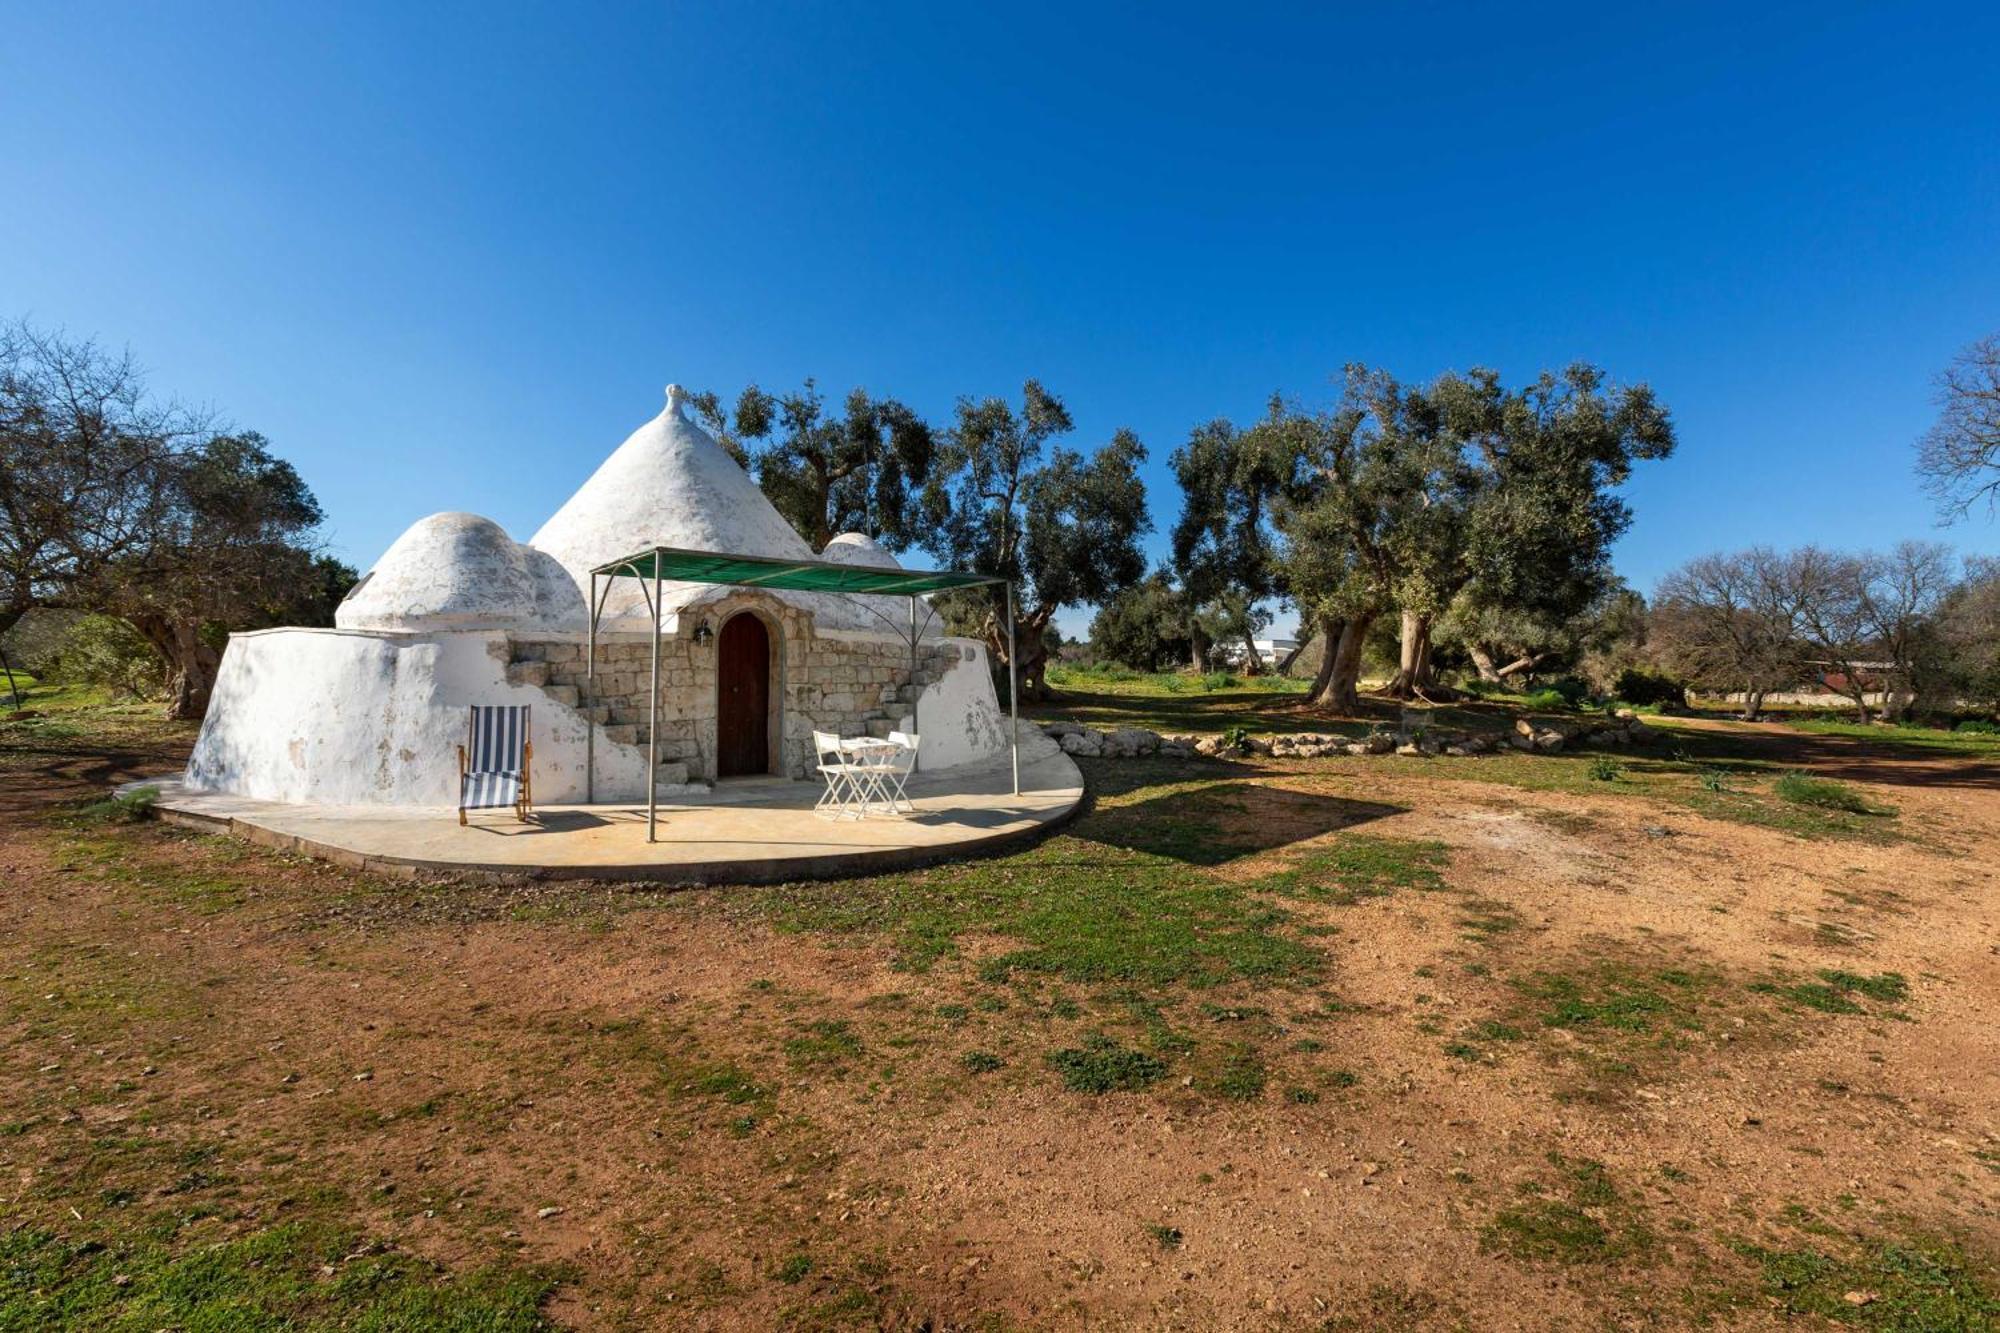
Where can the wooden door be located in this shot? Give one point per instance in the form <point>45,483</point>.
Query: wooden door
<point>743,698</point>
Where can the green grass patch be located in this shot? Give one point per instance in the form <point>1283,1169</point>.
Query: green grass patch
<point>277,1277</point>
<point>1121,900</point>
<point>1578,1217</point>
<point>980,1062</point>
<point>1176,702</point>
<point>1616,997</point>
<point>1354,866</point>
<point>1835,990</point>
<point>824,1042</point>
<point>1101,1065</point>
<point>1964,739</point>
<point>1910,1285</point>
<point>1888,987</point>
<point>121,808</point>
<point>1824,794</point>
<point>1238,1075</point>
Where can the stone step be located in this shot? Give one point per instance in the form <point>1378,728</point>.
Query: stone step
<point>625,733</point>
<point>671,775</point>
<point>527,673</point>
<point>562,694</point>
<point>880,727</point>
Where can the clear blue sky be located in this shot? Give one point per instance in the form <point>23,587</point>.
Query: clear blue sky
<point>446,258</point>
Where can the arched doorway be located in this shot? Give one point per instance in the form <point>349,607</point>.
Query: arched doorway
<point>742,697</point>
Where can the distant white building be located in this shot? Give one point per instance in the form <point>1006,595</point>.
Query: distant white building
<point>1270,652</point>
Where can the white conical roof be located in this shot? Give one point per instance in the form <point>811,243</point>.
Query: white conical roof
<point>669,484</point>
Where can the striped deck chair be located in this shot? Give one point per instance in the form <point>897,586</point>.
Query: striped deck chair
<point>493,763</point>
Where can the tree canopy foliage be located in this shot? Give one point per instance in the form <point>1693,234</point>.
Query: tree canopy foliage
<point>1225,548</point>
<point>858,470</point>
<point>1146,625</point>
<point>1460,498</point>
<point>1063,527</point>
<point>114,503</point>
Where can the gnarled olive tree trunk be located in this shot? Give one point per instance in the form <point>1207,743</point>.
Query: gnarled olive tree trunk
<point>191,664</point>
<point>1337,686</point>
<point>1030,648</point>
<point>1413,669</point>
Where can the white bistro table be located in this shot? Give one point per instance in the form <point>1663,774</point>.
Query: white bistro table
<point>870,752</point>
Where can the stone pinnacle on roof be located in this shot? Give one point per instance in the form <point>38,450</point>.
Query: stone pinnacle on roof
<point>669,484</point>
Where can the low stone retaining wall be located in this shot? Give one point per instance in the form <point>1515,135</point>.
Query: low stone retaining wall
<point>1542,736</point>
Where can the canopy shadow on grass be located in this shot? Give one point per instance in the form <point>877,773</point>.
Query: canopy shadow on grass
<point>1887,760</point>
<point>1214,823</point>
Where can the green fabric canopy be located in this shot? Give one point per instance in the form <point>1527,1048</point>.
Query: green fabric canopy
<point>751,571</point>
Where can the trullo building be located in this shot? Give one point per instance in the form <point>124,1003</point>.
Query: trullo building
<point>457,612</point>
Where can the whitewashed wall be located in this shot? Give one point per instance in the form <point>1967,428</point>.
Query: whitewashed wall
<point>355,717</point>
<point>342,717</point>
<point>960,721</point>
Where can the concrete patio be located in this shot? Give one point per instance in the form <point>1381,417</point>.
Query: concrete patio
<point>752,830</point>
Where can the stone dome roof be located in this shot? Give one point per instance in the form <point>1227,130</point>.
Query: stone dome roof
<point>858,548</point>
<point>669,484</point>
<point>461,571</point>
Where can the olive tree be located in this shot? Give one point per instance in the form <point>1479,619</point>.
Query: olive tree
<point>1063,527</point>
<point>858,470</point>
<point>1225,547</point>
<point>116,504</point>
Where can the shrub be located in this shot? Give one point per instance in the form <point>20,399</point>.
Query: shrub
<point>1604,768</point>
<point>1573,689</point>
<point>102,650</point>
<point>1217,680</point>
<point>1823,794</point>
<point>1545,701</point>
<point>1640,686</point>
<point>128,808</point>
<point>1979,726</point>
<point>1102,1065</point>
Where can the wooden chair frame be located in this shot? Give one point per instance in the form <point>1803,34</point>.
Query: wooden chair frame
<point>524,799</point>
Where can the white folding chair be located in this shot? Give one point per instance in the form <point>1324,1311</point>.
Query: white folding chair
<point>842,779</point>
<point>894,770</point>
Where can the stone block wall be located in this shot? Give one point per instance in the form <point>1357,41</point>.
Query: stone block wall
<point>850,685</point>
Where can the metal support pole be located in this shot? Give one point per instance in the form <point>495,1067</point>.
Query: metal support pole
<point>1013,693</point>
<point>915,693</point>
<point>653,714</point>
<point>589,694</point>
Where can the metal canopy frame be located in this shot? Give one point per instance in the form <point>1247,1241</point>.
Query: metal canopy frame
<point>658,565</point>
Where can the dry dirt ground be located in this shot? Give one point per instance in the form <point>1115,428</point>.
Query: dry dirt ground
<point>1392,1044</point>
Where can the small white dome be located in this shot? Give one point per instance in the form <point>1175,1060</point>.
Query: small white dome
<point>461,571</point>
<point>858,548</point>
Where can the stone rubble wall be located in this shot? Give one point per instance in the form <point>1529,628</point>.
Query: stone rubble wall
<point>1541,736</point>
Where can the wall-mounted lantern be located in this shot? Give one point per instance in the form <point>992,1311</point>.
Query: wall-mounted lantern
<point>704,634</point>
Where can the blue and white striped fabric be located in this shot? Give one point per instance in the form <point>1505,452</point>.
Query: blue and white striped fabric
<point>496,755</point>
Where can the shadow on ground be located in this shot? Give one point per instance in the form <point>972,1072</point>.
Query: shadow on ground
<point>1215,822</point>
